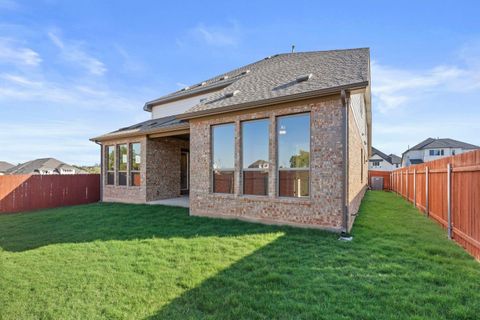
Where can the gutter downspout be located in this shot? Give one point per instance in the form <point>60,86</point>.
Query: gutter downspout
<point>101,170</point>
<point>345,109</point>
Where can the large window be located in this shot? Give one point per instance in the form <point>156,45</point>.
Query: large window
<point>135,161</point>
<point>122,164</point>
<point>110,164</point>
<point>293,136</point>
<point>223,149</point>
<point>255,138</point>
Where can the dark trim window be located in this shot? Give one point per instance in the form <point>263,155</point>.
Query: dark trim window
<point>223,155</point>
<point>110,164</point>
<point>436,152</point>
<point>122,152</point>
<point>376,163</point>
<point>135,162</point>
<point>255,142</point>
<point>293,136</point>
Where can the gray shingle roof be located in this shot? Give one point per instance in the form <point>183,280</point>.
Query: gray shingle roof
<point>431,143</point>
<point>395,159</point>
<point>276,77</point>
<point>34,166</point>
<point>269,78</point>
<point>145,127</point>
<point>392,159</point>
<point>4,166</point>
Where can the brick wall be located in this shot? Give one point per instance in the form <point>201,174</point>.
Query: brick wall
<point>159,171</point>
<point>357,167</point>
<point>163,167</point>
<point>323,209</point>
<point>116,193</point>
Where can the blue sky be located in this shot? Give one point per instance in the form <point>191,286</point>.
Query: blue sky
<point>71,70</point>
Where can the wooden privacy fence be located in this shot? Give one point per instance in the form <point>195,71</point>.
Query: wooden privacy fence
<point>448,191</point>
<point>31,192</point>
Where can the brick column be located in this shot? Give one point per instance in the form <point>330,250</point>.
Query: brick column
<point>237,187</point>
<point>272,153</point>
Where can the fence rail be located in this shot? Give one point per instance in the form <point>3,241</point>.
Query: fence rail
<point>31,192</point>
<point>448,191</point>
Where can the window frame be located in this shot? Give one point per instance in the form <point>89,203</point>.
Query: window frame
<point>242,169</point>
<point>130,162</point>
<point>107,160</point>
<point>212,160</point>
<point>277,148</point>
<point>118,171</point>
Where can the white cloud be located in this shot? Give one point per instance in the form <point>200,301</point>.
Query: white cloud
<point>73,52</point>
<point>217,36</point>
<point>14,87</point>
<point>395,87</point>
<point>12,53</point>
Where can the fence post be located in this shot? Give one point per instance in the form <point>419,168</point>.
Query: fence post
<point>415,188</point>
<point>401,182</point>
<point>449,199</point>
<point>426,191</point>
<point>406,186</point>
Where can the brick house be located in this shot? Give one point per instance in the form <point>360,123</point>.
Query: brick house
<point>284,140</point>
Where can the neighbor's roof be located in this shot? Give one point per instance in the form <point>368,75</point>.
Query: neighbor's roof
<point>40,164</point>
<point>431,143</point>
<point>4,166</point>
<point>276,77</point>
<point>145,127</point>
<point>392,159</point>
<point>395,159</point>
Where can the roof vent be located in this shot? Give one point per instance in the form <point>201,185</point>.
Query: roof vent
<point>231,94</point>
<point>186,88</point>
<point>245,72</point>
<point>203,83</point>
<point>304,78</point>
<point>223,77</point>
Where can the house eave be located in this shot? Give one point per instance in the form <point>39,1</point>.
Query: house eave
<point>172,130</point>
<point>272,101</point>
<point>187,94</point>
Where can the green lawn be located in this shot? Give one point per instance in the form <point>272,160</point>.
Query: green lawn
<point>119,261</point>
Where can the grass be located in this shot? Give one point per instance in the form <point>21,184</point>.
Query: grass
<point>120,261</point>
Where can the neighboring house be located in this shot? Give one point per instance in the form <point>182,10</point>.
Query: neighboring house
<point>45,166</point>
<point>284,140</point>
<point>379,161</point>
<point>4,166</point>
<point>432,149</point>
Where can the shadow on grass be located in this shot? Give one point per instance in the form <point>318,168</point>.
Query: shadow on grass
<point>109,221</point>
<point>398,266</point>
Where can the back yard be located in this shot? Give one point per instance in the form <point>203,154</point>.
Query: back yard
<point>153,262</point>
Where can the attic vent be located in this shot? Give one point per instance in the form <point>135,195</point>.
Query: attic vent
<point>203,83</point>
<point>266,58</point>
<point>224,77</point>
<point>245,72</point>
<point>231,94</point>
<point>304,78</point>
<point>186,88</point>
